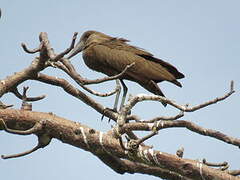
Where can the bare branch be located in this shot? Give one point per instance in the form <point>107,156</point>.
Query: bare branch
<point>31,51</point>
<point>153,133</point>
<point>132,157</point>
<point>133,117</point>
<point>69,69</point>
<point>20,154</point>
<point>171,118</point>
<point>138,126</point>
<point>142,97</point>
<point>76,93</point>
<point>59,56</point>
<point>214,164</point>
<point>20,96</point>
<point>109,78</point>
<point>100,94</point>
<point>83,81</point>
<point>43,141</point>
<point>46,50</point>
<point>86,138</point>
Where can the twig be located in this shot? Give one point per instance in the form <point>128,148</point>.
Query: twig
<point>60,65</point>
<point>109,78</point>
<point>20,96</point>
<point>79,79</point>
<point>214,164</point>
<point>153,133</point>
<point>31,51</point>
<point>20,154</point>
<point>43,141</point>
<point>133,117</point>
<point>69,69</point>
<point>133,144</point>
<point>180,152</point>
<point>98,93</point>
<point>181,123</point>
<point>184,108</point>
<point>223,166</point>
<point>60,55</point>
<point>171,118</point>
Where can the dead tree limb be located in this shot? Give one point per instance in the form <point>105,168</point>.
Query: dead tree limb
<point>123,157</point>
<point>89,139</point>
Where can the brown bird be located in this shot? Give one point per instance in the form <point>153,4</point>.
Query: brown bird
<point>110,55</point>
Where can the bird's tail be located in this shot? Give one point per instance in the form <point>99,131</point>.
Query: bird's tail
<point>153,88</point>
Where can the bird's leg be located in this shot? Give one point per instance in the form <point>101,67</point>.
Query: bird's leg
<point>116,100</point>
<point>125,89</point>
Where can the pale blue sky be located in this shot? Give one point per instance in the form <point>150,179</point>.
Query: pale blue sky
<point>201,38</point>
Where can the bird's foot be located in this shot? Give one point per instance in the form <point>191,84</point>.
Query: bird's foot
<point>108,109</point>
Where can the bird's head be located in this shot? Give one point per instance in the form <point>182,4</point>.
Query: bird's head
<point>88,38</point>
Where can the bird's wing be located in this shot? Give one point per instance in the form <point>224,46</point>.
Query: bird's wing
<point>117,57</point>
<point>120,44</point>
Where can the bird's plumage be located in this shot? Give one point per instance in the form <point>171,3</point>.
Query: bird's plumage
<point>111,55</point>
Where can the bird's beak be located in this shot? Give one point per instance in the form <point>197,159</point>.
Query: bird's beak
<point>77,49</point>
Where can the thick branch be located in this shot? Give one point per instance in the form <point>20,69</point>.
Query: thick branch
<point>11,82</point>
<point>141,158</point>
<point>89,139</point>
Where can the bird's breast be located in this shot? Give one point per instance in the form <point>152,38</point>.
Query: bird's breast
<point>97,63</point>
<point>91,61</point>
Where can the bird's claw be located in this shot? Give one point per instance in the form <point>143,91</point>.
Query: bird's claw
<point>108,109</point>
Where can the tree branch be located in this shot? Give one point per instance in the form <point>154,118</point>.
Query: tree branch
<point>123,157</point>
<point>138,126</point>
<point>75,93</point>
<point>185,108</point>
<point>89,139</point>
<point>20,96</point>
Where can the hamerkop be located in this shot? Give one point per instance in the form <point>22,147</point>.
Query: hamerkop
<point>110,55</point>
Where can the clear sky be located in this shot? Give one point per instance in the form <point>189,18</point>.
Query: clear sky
<point>201,38</point>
